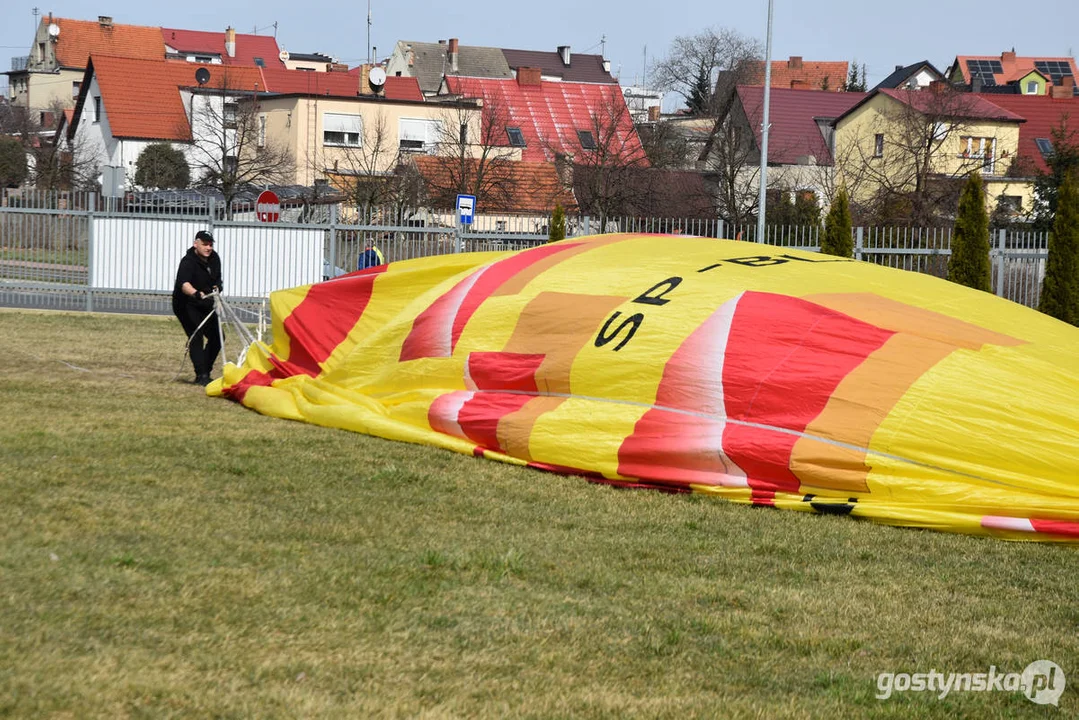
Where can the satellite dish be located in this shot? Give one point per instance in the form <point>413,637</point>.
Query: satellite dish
<point>54,30</point>
<point>376,79</point>
<point>202,76</point>
<point>283,56</point>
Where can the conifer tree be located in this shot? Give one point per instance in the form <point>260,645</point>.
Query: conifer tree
<point>557,230</point>
<point>836,239</point>
<point>1060,288</point>
<point>969,264</point>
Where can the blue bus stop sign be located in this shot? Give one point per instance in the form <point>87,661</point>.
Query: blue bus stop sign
<point>466,207</point>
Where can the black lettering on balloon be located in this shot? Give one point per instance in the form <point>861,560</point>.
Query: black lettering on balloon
<point>651,297</point>
<point>632,323</point>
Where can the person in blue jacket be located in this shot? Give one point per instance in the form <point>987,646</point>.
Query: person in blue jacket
<point>370,257</point>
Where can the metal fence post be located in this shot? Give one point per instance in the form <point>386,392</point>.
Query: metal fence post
<point>332,272</point>
<point>90,253</point>
<point>1002,245</point>
<point>720,229</point>
<point>458,231</point>
<point>859,242</point>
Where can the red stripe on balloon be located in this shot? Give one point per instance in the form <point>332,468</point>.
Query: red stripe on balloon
<point>785,357</point>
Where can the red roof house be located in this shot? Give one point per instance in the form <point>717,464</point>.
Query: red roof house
<point>799,74</point>
<point>230,47</point>
<point>795,133</point>
<point>518,187</point>
<point>76,40</point>
<point>546,119</point>
<point>1043,114</point>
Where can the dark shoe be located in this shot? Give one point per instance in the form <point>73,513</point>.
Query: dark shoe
<point>202,380</point>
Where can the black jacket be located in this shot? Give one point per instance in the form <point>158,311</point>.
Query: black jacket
<point>204,276</point>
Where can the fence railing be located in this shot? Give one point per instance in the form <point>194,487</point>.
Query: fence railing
<point>74,251</point>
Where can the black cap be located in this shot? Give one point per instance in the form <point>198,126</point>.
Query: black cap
<point>204,236</point>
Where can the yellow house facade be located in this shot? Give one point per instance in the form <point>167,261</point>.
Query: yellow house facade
<point>364,136</point>
<point>899,140</point>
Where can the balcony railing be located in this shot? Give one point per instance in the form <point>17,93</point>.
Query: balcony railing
<point>20,63</point>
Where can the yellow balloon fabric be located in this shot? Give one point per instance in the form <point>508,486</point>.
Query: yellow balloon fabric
<point>764,375</point>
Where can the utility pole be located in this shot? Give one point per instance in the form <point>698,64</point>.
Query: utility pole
<point>762,197</point>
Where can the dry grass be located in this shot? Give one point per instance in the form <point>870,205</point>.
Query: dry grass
<point>163,554</point>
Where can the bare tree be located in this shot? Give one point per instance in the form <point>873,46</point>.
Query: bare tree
<point>694,58</point>
<point>363,168</point>
<point>475,154</point>
<point>230,150</point>
<point>909,161</point>
<point>733,164</point>
<point>610,158</point>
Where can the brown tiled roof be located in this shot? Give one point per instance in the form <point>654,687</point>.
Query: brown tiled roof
<point>78,39</point>
<point>799,74</point>
<point>523,187</point>
<point>581,68</point>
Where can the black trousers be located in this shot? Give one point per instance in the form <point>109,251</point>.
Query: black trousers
<point>205,341</point>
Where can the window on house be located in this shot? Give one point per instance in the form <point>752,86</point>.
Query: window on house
<point>229,114</point>
<point>878,145</point>
<point>97,108</point>
<point>342,130</point>
<point>40,52</point>
<point>260,62</point>
<point>1032,87</point>
<point>588,141</point>
<point>417,135</point>
<point>1011,203</point>
<point>979,148</point>
<point>262,131</point>
<point>232,164</point>
<point>1045,147</point>
<point>463,138</point>
<point>75,87</point>
<point>517,138</point>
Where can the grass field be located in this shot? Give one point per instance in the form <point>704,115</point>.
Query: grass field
<point>163,554</point>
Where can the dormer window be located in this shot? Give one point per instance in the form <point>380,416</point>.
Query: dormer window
<point>516,137</point>
<point>588,141</point>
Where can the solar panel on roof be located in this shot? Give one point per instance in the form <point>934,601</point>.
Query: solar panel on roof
<point>1053,69</point>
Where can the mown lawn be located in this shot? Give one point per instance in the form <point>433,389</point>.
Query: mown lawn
<point>163,554</point>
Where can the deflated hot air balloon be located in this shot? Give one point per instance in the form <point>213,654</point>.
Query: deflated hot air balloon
<point>763,375</point>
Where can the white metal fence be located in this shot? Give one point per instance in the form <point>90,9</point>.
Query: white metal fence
<point>69,254</point>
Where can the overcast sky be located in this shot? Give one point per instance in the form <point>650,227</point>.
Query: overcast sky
<point>881,35</point>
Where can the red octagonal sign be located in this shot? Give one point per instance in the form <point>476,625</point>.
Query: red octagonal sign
<point>268,207</point>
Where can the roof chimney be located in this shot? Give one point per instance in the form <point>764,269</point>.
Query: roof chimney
<point>653,113</point>
<point>528,76</point>
<point>976,83</point>
<point>936,86</point>
<point>104,21</point>
<point>453,54</point>
<point>606,66</point>
<point>795,63</point>
<point>1065,90</point>
<point>563,52</point>
<point>1008,56</point>
<point>230,42</point>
